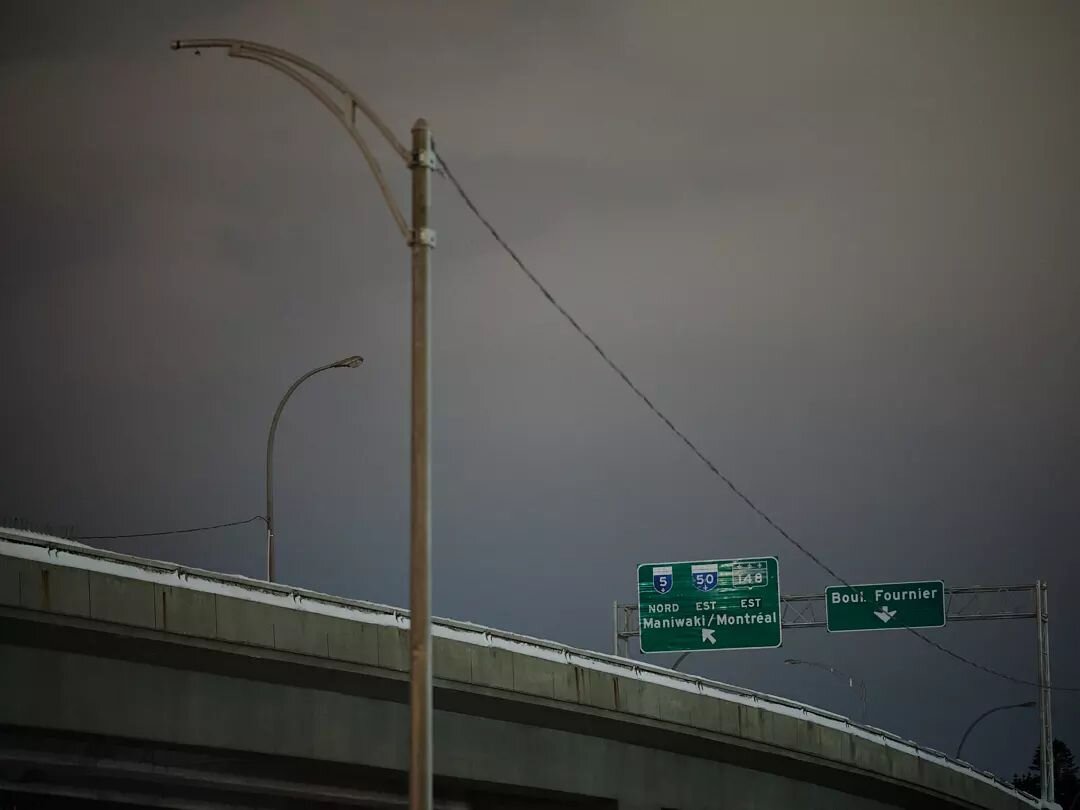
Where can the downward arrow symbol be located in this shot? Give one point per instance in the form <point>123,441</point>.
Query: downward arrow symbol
<point>708,635</point>
<point>884,613</point>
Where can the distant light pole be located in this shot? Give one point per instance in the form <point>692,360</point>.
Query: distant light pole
<point>421,161</point>
<point>855,683</point>
<point>348,362</point>
<point>1030,704</point>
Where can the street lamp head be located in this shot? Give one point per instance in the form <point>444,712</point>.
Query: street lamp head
<point>349,362</point>
<point>792,661</point>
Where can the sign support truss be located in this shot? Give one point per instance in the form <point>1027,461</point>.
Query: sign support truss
<point>974,604</point>
<point>979,603</point>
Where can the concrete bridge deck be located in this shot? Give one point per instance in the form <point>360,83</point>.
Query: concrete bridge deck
<point>139,681</point>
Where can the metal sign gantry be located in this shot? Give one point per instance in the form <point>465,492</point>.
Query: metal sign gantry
<point>979,603</point>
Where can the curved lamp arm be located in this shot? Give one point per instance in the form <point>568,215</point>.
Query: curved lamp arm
<point>1027,705</point>
<point>287,63</point>
<point>348,362</point>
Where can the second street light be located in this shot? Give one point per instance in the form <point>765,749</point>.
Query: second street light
<point>344,104</point>
<point>348,362</point>
<point>1030,704</point>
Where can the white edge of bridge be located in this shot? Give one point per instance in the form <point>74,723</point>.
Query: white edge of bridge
<point>69,553</point>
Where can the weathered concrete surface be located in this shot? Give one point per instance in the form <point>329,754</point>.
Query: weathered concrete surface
<point>139,652</point>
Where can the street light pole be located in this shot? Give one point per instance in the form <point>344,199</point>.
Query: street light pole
<point>348,362</point>
<point>1046,732</point>
<point>1027,705</point>
<point>421,239</point>
<point>852,681</point>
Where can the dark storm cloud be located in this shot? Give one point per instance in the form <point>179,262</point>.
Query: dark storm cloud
<point>837,245</point>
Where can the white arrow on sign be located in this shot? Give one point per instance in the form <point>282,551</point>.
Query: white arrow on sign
<point>884,613</point>
<point>708,635</point>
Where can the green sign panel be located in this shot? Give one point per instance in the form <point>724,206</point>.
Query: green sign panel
<point>885,606</point>
<point>709,605</point>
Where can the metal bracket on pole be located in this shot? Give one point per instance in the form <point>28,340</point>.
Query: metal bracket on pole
<point>425,157</point>
<point>424,237</point>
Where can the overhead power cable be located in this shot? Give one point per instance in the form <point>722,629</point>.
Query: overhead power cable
<point>170,531</point>
<point>448,173</point>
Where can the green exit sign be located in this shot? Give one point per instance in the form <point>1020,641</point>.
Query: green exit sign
<point>709,605</point>
<point>885,606</point>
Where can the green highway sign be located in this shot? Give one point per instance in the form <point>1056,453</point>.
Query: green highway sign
<point>885,606</point>
<point>709,605</point>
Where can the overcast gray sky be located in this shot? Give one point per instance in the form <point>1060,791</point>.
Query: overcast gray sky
<point>837,243</point>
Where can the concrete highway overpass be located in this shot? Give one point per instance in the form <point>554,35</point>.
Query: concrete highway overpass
<point>144,683</point>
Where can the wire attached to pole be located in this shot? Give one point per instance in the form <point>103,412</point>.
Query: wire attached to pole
<point>170,531</point>
<point>689,443</point>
